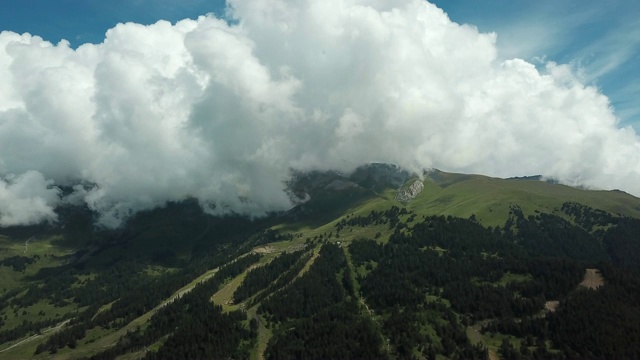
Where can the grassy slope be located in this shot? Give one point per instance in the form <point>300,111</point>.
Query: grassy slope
<point>44,247</point>
<point>491,198</point>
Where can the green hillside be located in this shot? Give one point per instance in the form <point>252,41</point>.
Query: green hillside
<point>491,198</point>
<point>471,267</point>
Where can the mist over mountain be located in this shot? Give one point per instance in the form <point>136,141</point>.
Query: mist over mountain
<point>221,110</point>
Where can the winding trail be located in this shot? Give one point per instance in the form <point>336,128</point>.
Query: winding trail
<point>26,244</point>
<point>33,337</point>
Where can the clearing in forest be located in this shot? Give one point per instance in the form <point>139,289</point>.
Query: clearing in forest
<point>551,305</point>
<point>592,279</point>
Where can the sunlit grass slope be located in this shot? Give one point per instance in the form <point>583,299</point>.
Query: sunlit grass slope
<point>490,199</point>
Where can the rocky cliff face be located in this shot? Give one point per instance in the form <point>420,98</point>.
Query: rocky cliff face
<point>410,192</point>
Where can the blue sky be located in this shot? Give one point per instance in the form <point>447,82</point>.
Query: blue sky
<point>81,21</point>
<point>600,39</point>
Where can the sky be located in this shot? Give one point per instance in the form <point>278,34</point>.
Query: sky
<point>145,102</point>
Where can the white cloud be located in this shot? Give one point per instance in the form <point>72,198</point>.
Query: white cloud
<point>27,199</point>
<point>222,112</point>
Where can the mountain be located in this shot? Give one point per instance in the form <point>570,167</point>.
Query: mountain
<point>380,263</point>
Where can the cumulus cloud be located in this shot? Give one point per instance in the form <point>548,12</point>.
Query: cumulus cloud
<point>221,110</point>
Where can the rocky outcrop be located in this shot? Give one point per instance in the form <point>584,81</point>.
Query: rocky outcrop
<point>410,192</point>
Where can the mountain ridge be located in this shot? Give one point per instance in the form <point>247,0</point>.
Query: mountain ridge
<point>454,256</point>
